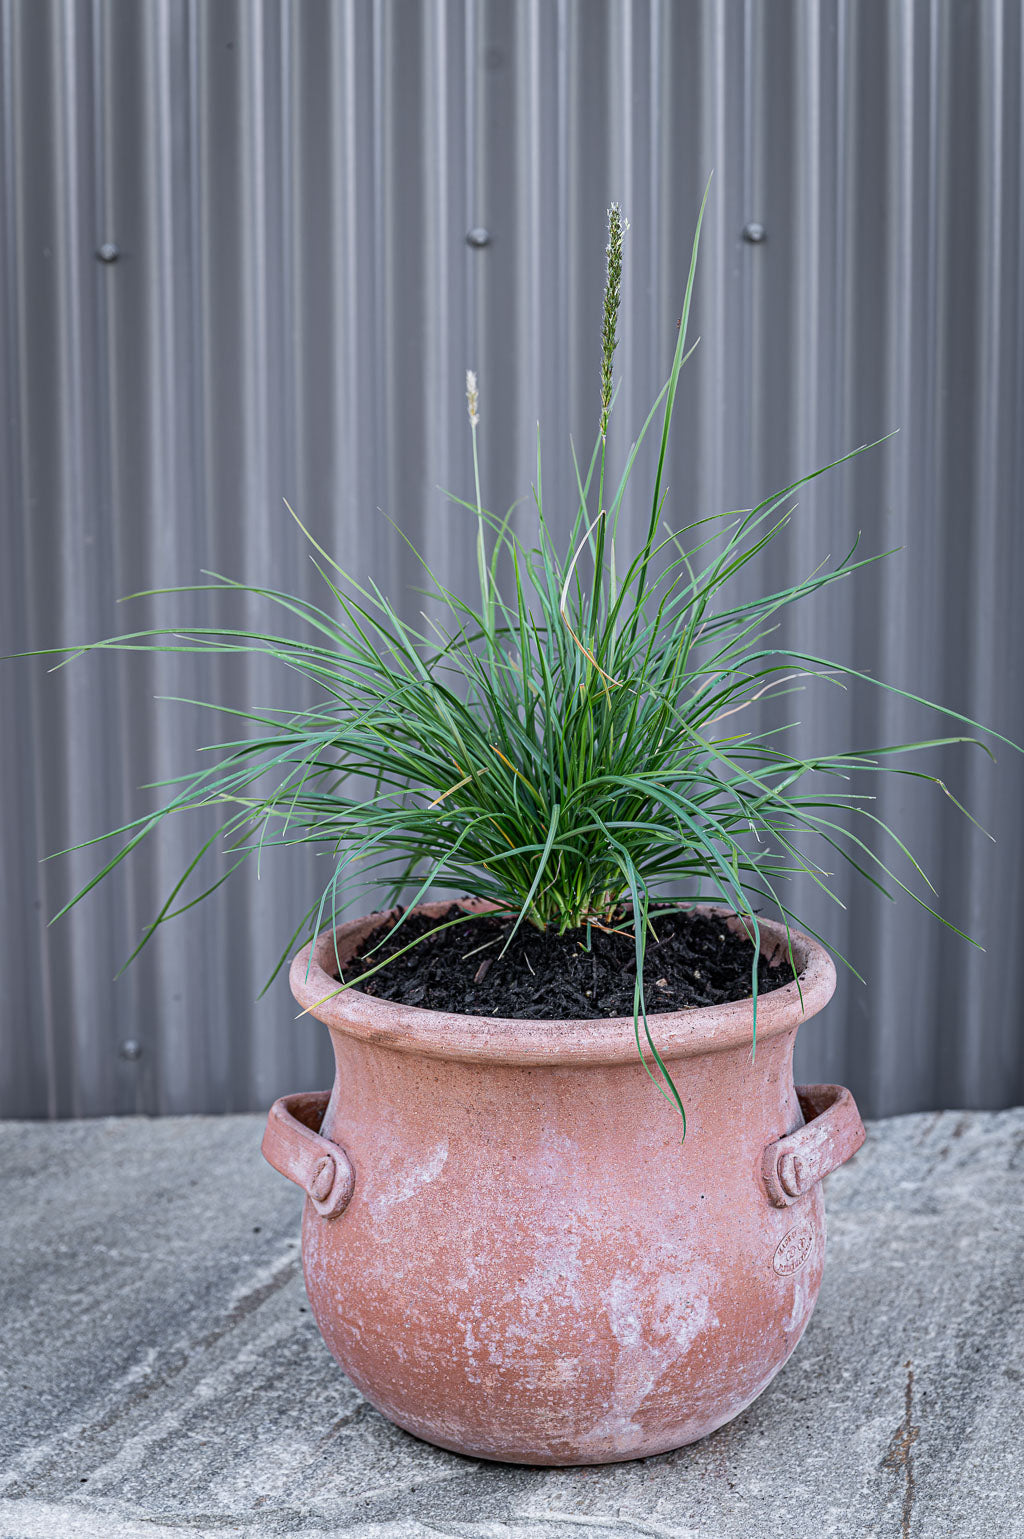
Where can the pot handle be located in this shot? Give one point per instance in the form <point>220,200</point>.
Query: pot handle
<point>294,1145</point>
<point>831,1133</point>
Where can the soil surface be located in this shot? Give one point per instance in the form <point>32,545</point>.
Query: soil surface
<point>696,960</point>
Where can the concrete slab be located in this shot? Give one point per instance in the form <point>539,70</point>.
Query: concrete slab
<point>160,1374</point>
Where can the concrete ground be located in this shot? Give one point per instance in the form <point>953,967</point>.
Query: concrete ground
<point>160,1374</point>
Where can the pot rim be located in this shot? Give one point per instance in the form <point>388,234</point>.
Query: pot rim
<point>607,1040</point>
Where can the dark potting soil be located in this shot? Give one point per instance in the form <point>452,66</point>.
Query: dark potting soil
<point>696,960</point>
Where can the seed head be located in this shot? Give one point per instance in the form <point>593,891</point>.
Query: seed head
<point>472,397</point>
<point>618,224</point>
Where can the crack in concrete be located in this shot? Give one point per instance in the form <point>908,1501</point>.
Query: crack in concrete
<point>899,1459</point>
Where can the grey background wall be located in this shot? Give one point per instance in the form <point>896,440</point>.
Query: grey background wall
<point>291,312</point>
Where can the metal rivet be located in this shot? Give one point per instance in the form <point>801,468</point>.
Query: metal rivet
<point>130,1049</point>
<point>755,233</point>
<point>322,1179</point>
<point>108,252</point>
<point>478,236</point>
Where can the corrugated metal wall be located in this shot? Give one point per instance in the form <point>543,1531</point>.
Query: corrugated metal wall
<point>291,311</point>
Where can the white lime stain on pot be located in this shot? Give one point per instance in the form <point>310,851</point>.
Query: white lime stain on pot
<point>654,1321</point>
<point>391,1185</point>
<point>528,1303</point>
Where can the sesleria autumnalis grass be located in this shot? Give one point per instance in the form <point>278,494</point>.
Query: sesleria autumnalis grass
<point>569,744</point>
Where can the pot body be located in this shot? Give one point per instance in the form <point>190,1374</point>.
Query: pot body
<point>534,1265</point>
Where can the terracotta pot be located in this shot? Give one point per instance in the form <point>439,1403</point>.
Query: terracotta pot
<point>509,1247</point>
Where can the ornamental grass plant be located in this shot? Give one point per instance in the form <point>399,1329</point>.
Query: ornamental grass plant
<point>568,744</point>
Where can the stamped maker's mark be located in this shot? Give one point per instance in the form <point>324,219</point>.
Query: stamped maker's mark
<point>792,1251</point>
